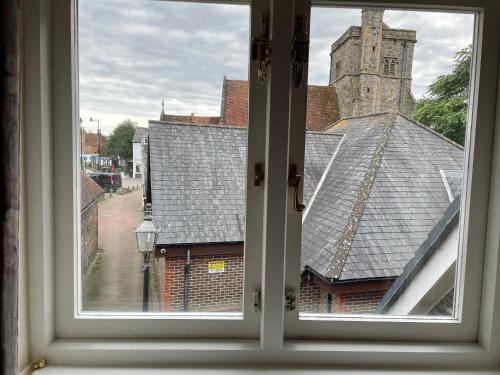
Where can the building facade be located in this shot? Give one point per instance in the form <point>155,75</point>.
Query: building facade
<point>139,140</point>
<point>89,197</point>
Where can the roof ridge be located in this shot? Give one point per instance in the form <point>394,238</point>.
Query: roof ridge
<point>347,237</point>
<point>322,179</point>
<point>196,125</point>
<point>355,117</point>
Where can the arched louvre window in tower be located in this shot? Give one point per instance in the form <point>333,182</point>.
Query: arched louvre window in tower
<point>390,66</point>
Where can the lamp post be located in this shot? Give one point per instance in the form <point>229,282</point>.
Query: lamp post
<point>98,135</point>
<point>146,234</point>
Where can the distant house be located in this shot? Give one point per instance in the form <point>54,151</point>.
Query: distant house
<point>92,143</point>
<point>375,187</point>
<point>140,139</point>
<point>89,197</point>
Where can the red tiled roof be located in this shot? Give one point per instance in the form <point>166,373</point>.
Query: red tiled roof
<point>234,106</point>
<point>193,119</point>
<point>92,140</point>
<point>322,108</point>
<point>90,191</point>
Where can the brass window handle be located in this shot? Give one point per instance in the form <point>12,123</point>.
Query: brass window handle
<point>294,181</point>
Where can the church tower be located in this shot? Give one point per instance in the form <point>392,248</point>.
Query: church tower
<point>370,67</point>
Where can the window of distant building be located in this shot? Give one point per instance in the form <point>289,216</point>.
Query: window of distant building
<point>338,66</point>
<point>390,66</point>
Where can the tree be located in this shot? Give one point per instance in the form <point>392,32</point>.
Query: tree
<point>120,140</point>
<point>445,108</point>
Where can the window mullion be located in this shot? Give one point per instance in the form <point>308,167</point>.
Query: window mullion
<point>296,145</point>
<point>257,102</point>
<point>275,201</point>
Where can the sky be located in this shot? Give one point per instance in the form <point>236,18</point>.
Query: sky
<point>135,53</point>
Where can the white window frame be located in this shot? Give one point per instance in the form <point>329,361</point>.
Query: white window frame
<point>49,79</point>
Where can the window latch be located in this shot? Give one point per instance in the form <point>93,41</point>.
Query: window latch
<point>290,300</point>
<point>300,49</point>
<point>261,50</point>
<point>294,181</point>
<point>258,177</point>
<point>256,302</point>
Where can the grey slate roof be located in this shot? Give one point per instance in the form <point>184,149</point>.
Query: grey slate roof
<point>390,166</point>
<point>436,236</point>
<point>198,180</point>
<point>139,134</point>
<point>377,202</point>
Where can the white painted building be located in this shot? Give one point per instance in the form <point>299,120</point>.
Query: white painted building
<point>140,139</point>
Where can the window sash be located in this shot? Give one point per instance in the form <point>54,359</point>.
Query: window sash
<point>468,284</point>
<point>67,228</point>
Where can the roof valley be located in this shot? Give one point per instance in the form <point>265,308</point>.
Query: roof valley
<point>347,237</point>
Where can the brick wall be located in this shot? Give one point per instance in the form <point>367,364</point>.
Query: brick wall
<point>89,236</point>
<point>357,302</point>
<point>346,298</point>
<point>313,298</point>
<point>215,292</point>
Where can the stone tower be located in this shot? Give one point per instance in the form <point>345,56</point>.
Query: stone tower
<point>370,67</point>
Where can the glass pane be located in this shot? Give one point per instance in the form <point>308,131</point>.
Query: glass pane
<point>163,114</point>
<point>384,161</point>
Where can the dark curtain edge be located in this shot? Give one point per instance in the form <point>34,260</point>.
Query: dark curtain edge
<point>10,36</point>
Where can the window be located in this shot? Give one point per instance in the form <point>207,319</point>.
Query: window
<point>390,65</point>
<point>338,66</point>
<point>275,170</point>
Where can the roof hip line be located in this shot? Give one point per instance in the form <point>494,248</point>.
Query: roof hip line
<point>322,179</point>
<point>347,237</point>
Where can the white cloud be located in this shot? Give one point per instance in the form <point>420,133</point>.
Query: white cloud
<point>133,54</point>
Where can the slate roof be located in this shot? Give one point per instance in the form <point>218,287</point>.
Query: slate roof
<point>89,191</point>
<point>382,196</point>
<point>436,236</point>
<point>190,119</point>
<point>198,180</point>
<point>139,134</point>
<point>322,106</point>
<point>373,185</point>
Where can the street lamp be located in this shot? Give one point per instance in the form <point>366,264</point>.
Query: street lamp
<point>98,135</point>
<point>146,234</point>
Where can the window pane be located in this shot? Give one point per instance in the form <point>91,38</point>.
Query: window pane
<point>384,161</point>
<point>163,108</point>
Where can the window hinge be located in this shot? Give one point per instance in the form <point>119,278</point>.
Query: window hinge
<point>290,300</point>
<point>261,50</point>
<point>256,302</point>
<point>300,49</point>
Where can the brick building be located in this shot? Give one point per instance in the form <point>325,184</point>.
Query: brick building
<point>92,143</point>
<point>89,197</point>
<point>366,216</point>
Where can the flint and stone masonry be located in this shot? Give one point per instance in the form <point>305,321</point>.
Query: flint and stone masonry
<point>371,67</point>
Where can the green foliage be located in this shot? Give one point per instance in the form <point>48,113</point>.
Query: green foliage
<point>445,108</point>
<point>120,141</point>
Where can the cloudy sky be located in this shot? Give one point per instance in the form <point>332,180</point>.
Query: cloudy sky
<point>135,53</point>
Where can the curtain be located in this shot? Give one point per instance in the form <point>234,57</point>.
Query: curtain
<point>10,84</point>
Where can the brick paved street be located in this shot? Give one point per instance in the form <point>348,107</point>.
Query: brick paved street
<point>114,282</point>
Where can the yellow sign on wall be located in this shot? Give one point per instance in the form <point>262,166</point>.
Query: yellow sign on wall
<point>216,266</point>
